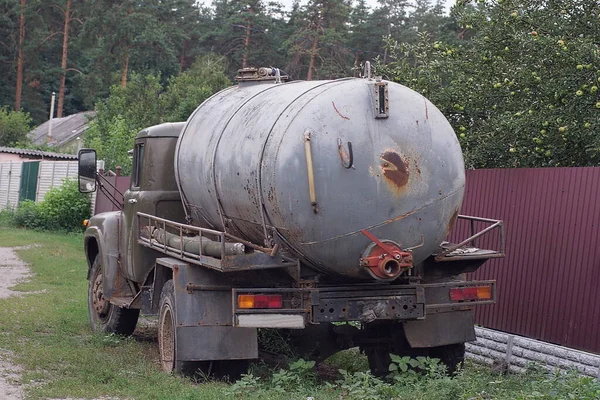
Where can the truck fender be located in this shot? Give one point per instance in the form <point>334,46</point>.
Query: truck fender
<point>102,238</point>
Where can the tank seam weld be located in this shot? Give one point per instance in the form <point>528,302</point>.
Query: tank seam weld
<point>387,221</point>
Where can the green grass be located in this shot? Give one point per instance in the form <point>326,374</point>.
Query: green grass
<point>48,334</point>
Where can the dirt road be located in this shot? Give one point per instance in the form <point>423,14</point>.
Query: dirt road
<point>12,271</point>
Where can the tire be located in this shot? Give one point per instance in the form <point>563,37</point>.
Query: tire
<point>391,339</point>
<point>167,343</point>
<point>166,330</point>
<point>379,360</point>
<point>451,355</point>
<point>104,316</point>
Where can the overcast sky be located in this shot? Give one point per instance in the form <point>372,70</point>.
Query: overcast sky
<point>370,3</point>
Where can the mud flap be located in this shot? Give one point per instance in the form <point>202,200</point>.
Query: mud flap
<point>200,343</point>
<point>440,329</point>
<point>204,316</point>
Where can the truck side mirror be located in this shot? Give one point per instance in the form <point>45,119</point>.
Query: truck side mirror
<point>87,170</point>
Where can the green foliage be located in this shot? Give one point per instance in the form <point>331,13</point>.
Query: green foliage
<point>473,382</point>
<point>524,91</point>
<point>363,385</point>
<point>298,378</point>
<point>275,341</point>
<point>187,91</point>
<point>145,102</point>
<point>349,360</point>
<point>63,209</point>
<point>300,374</point>
<point>14,126</point>
<point>120,117</point>
<point>405,368</point>
<point>28,215</point>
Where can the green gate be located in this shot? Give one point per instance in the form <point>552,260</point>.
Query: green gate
<point>29,178</point>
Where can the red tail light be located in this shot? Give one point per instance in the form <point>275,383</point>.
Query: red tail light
<point>471,293</point>
<point>248,301</point>
<point>275,301</point>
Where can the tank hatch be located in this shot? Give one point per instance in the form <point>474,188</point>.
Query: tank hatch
<point>254,75</point>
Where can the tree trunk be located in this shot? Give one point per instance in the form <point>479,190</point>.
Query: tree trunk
<point>124,70</point>
<point>313,55</point>
<point>182,57</point>
<point>246,43</point>
<point>385,53</point>
<point>356,65</point>
<point>19,85</point>
<point>63,63</point>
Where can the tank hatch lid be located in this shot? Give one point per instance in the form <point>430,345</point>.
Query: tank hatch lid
<point>261,75</point>
<point>169,129</point>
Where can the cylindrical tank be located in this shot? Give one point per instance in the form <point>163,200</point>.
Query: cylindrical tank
<point>384,159</point>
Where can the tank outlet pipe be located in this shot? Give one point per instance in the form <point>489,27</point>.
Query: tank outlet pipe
<point>197,245</point>
<point>311,173</point>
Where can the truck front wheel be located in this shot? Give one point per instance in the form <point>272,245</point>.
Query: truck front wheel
<point>104,316</point>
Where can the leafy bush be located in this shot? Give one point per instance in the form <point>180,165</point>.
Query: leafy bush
<point>27,215</point>
<point>14,126</point>
<point>63,209</point>
<point>7,217</point>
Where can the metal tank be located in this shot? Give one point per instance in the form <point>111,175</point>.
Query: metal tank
<point>359,178</point>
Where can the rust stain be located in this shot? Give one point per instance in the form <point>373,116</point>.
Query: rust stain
<point>394,168</point>
<point>339,113</point>
<point>426,109</point>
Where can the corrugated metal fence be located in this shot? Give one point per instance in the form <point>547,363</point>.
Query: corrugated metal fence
<point>10,181</point>
<point>51,173</point>
<point>548,284</point>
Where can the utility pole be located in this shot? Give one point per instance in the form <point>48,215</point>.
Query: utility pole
<point>51,116</point>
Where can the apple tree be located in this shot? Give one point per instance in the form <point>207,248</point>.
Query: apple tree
<point>523,90</point>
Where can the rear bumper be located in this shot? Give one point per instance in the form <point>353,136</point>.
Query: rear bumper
<point>364,303</point>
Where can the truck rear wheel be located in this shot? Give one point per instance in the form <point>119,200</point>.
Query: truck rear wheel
<point>166,330</point>
<point>452,355</point>
<point>104,316</point>
<point>171,362</point>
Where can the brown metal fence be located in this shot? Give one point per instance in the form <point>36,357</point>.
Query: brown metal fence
<point>103,203</point>
<point>549,282</point>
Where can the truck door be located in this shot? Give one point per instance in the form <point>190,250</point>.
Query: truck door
<point>132,200</point>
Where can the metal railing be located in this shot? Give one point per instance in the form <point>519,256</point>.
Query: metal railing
<point>445,254</point>
<point>255,257</point>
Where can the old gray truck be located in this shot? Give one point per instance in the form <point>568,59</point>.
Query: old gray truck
<point>292,205</point>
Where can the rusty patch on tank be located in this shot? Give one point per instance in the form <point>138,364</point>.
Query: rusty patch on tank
<point>337,111</point>
<point>394,168</point>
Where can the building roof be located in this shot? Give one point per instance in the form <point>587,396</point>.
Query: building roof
<point>63,129</point>
<point>38,153</point>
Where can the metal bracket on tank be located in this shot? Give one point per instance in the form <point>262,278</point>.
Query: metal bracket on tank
<point>382,99</point>
<point>310,170</point>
